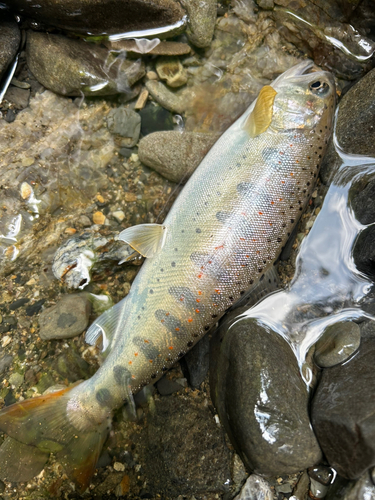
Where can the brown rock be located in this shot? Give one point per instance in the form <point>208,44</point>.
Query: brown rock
<point>161,49</point>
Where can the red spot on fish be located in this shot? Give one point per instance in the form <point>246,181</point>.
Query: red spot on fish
<point>177,329</point>
<point>161,321</point>
<point>218,248</point>
<point>199,292</point>
<point>247,256</point>
<point>272,202</point>
<point>210,261</point>
<point>217,291</point>
<point>167,314</point>
<point>133,377</point>
<point>190,320</point>
<point>170,348</point>
<point>150,361</point>
<point>291,174</point>
<point>130,362</point>
<point>135,354</point>
<point>282,182</point>
<point>260,213</point>
<point>146,341</point>
<point>242,239</point>
<point>197,311</point>
<point>200,275</point>
<point>290,145</point>
<point>198,300</point>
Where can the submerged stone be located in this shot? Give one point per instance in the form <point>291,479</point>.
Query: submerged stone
<point>202,18</point>
<point>162,48</point>
<point>165,97</point>
<point>74,67</point>
<point>68,318</point>
<point>20,462</point>
<point>173,154</point>
<point>171,70</point>
<point>262,401</point>
<point>10,38</point>
<point>343,411</point>
<point>126,123</point>
<point>97,17</point>
<point>155,118</point>
<point>337,344</point>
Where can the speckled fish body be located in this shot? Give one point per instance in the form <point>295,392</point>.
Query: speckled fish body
<point>223,233</point>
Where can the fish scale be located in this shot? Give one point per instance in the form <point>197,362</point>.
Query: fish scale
<point>223,233</point>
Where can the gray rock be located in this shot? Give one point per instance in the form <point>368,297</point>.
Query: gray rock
<point>102,16</point>
<point>165,97</point>
<point>126,123</point>
<point>357,135</point>
<point>71,366</point>
<point>343,412</point>
<point>173,154</point>
<point>191,453</point>
<point>166,386</point>
<point>10,38</point>
<point>337,344</point>
<point>364,252</point>
<point>5,362</point>
<point>255,488</point>
<point>196,362</point>
<point>202,18</point>
<point>16,379</point>
<point>68,318</point>
<point>20,462</point>
<point>363,489</point>
<point>262,401</point>
<point>362,202</point>
<point>72,67</point>
<point>18,97</point>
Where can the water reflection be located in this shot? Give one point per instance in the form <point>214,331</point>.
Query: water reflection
<point>327,286</point>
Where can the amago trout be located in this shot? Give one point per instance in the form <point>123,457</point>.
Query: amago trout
<point>222,234</point>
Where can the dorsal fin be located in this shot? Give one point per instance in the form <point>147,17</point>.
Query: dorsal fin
<point>147,239</point>
<point>260,118</point>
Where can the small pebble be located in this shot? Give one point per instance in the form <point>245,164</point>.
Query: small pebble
<point>152,75</point>
<point>119,215</point>
<point>119,467</point>
<point>142,99</point>
<point>26,190</point>
<point>98,218</point>
<point>70,230</point>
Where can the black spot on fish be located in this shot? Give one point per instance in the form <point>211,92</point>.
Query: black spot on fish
<point>103,396</point>
<point>244,188</point>
<point>153,375</point>
<point>271,158</point>
<point>207,327</point>
<point>151,291</point>
<point>190,343</point>
<point>181,354</point>
<point>223,216</point>
<point>121,375</point>
<point>198,230</point>
<point>147,347</point>
<point>173,264</point>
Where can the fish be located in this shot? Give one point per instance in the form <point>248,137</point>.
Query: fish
<point>220,238</point>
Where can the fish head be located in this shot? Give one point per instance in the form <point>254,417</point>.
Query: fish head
<point>305,98</point>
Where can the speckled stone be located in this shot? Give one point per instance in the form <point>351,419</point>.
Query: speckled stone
<point>202,17</point>
<point>72,67</point>
<point>337,344</point>
<point>173,154</point>
<point>166,97</point>
<point>10,38</point>
<point>68,318</point>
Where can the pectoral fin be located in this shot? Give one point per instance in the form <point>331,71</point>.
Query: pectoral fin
<point>260,118</point>
<point>147,239</point>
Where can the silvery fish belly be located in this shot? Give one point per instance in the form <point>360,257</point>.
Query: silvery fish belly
<point>224,231</point>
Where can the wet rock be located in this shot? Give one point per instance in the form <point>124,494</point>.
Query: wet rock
<point>362,203</point>
<point>301,489</point>
<point>343,413</point>
<point>10,38</point>
<point>72,67</point>
<point>165,97</point>
<point>18,97</point>
<point>101,16</point>
<point>318,29</point>
<point>195,363</point>
<point>18,303</point>
<point>155,118</point>
<point>5,363</point>
<point>16,380</point>
<point>337,344</point>
<point>342,489</point>
<point>68,318</point>
<point>161,49</point>
<point>364,252</point>
<point>126,123</point>
<point>266,412</point>
<point>34,308</point>
<point>357,135</point>
<point>255,488</point>
<point>192,455</point>
<point>202,18</point>
<point>20,462</point>
<point>173,154</point>
<point>171,70</point>
<point>72,367</point>
<point>166,386</point>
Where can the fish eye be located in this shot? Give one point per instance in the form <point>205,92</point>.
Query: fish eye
<point>319,88</point>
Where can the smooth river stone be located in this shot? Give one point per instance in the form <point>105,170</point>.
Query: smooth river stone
<point>10,38</point>
<point>173,154</point>
<point>201,21</point>
<point>262,401</point>
<point>337,344</point>
<point>343,413</point>
<point>74,67</point>
<point>101,16</point>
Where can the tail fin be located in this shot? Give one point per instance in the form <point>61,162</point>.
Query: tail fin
<point>43,423</point>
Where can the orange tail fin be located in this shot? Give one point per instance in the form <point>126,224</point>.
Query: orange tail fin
<point>43,422</point>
